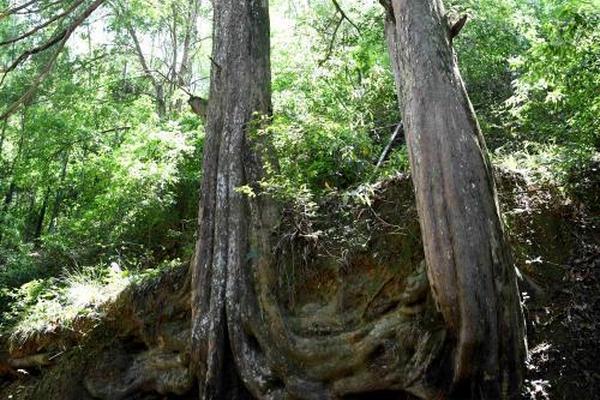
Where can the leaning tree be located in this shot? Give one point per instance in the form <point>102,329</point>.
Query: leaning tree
<point>243,340</point>
<point>469,266</point>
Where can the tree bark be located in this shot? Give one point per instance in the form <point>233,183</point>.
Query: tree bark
<point>245,343</point>
<point>240,89</point>
<point>468,261</point>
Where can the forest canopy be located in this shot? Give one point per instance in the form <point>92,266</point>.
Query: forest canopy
<point>101,152</point>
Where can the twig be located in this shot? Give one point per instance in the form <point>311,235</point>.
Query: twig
<point>15,9</point>
<point>216,64</point>
<point>331,42</point>
<point>343,16</point>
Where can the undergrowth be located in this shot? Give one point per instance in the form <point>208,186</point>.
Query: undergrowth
<point>43,306</point>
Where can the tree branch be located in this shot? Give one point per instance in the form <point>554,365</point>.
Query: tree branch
<point>344,15</point>
<point>60,39</point>
<point>331,42</point>
<point>10,11</point>
<point>43,25</point>
<point>384,154</point>
<point>457,27</point>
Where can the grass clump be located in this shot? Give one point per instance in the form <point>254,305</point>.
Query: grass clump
<point>45,306</point>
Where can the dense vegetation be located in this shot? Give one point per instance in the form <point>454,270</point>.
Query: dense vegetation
<point>100,154</point>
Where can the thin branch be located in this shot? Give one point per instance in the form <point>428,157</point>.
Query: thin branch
<point>40,9</point>
<point>344,15</point>
<point>34,85</point>
<point>64,34</point>
<point>172,82</point>
<point>331,42</point>
<point>44,25</point>
<point>15,9</point>
<point>60,39</point>
<point>384,154</point>
<point>90,61</point>
<point>140,53</point>
<point>116,129</point>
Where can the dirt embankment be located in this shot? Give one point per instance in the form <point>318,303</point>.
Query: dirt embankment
<point>335,278</point>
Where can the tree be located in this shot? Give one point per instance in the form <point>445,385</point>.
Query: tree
<point>468,260</point>
<point>239,331</point>
<point>168,65</point>
<point>221,294</point>
<point>245,341</point>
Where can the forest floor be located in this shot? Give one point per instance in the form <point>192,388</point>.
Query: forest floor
<point>556,241</point>
<point>564,330</point>
<point>563,310</point>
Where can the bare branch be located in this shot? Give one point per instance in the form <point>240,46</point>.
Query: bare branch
<point>40,9</point>
<point>343,16</point>
<point>331,42</point>
<point>384,154</point>
<point>116,129</point>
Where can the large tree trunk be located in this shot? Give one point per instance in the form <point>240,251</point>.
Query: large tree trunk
<point>246,342</point>
<point>239,91</point>
<point>468,263</point>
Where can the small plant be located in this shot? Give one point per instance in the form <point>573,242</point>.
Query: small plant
<point>47,305</point>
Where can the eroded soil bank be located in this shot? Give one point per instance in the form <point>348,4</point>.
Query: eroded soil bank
<point>356,261</point>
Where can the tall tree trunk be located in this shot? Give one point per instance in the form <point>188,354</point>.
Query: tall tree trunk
<point>59,192</point>
<point>39,221</point>
<point>240,87</point>
<point>191,32</point>
<point>468,262</point>
<point>240,331</point>
<point>159,92</point>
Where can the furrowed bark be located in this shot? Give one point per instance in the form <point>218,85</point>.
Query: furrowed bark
<point>240,330</point>
<point>469,264</point>
<point>240,90</point>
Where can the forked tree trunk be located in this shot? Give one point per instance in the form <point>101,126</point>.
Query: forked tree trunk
<point>468,261</point>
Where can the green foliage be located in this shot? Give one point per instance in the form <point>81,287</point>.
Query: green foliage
<point>43,305</point>
<point>557,92</point>
<point>544,163</point>
<point>484,47</point>
<point>89,173</point>
<point>93,171</point>
<point>334,98</point>
<point>76,299</point>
